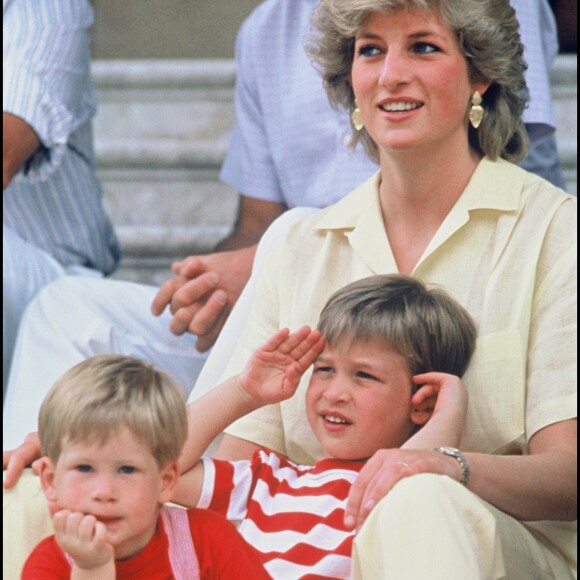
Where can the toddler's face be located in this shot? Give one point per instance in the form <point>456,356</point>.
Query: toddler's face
<point>119,483</point>
<point>359,399</point>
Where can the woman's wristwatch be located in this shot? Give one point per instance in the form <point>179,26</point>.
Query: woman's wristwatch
<point>457,455</point>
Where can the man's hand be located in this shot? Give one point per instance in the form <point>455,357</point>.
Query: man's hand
<point>19,142</point>
<point>204,289</point>
<point>203,292</point>
<point>14,461</point>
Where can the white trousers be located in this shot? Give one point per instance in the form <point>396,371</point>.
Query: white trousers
<point>77,317</point>
<point>430,527</point>
<point>26,270</point>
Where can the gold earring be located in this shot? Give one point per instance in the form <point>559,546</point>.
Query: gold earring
<point>356,117</point>
<point>476,111</point>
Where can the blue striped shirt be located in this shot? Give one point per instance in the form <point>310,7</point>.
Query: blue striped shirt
<point>55,202</point>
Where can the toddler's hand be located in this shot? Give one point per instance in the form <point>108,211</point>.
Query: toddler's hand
<point>83,538</point>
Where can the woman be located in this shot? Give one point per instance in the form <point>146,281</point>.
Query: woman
<point>447,206</point>
<point>436,92</point>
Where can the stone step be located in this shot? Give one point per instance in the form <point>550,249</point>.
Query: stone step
<point>161,133</point>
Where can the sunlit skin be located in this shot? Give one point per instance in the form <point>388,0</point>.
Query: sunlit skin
<point>359,399</point>
<point>411,82</point>
<point>118,483</point>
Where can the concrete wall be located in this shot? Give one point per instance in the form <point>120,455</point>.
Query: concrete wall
<point>167,29</point>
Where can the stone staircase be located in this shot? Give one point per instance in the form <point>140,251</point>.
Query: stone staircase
<point>161,134</point>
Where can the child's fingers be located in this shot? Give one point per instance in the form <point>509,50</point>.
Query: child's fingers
<point>314,350</point>
<point>100,533</point>
<point>73,521</point>
<point>424,393</point>
<point>87,528</point>
<point>304,350</point>
<point>276,340</point>
<point>59,520</point>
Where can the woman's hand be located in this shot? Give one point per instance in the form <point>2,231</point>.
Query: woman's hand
<point>386,468</point>
<point>274,371</point>
<point>14,461</point>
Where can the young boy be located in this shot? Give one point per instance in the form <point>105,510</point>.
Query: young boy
<point>112,429</point>
<point>391,356</point>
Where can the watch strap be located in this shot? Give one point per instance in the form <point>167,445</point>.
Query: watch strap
<point>460,458</point>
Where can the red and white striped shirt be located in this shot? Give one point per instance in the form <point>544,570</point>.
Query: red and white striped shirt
<point>291,514</point>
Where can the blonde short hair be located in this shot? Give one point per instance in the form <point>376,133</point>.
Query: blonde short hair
<point>99,396</point>
<point>424,324</point>
<point>488,35</point>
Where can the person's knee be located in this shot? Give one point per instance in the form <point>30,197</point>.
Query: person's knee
<point>426,495</point>
<point>425,488</point>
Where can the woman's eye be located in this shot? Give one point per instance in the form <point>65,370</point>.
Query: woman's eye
<point>424,48</point>
<point>126,469</point>
<point>368,50</point>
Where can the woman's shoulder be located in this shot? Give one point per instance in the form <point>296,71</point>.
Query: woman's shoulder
<point>344,213</point>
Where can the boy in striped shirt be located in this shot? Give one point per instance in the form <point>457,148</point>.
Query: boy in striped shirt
<point>387,356</point>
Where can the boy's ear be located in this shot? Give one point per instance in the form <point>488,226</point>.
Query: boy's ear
<point>169,476</point>
<point>421,414</point>
<point>419,417</point>
<point>46,472</point>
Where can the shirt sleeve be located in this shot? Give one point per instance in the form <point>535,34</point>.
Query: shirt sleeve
<point>249,166</point>
<point>264,427</point>
<point>552,355</point>
<point>227,486</point>
<point>46,75</point>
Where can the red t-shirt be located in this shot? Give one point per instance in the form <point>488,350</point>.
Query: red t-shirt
<point>221,553</point>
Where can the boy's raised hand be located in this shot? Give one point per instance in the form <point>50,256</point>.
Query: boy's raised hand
<point>438,392</point>
<point>274,371</point>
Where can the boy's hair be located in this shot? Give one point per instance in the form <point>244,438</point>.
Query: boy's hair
<point>423,324</point>
<point>96,398</point>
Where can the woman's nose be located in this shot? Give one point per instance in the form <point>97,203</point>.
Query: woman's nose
<point>396,69</point>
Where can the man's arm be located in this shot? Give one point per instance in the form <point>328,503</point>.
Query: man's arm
<point>204,289</point>
<point>19,143</point>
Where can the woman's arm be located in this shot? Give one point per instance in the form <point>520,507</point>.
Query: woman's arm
<point>538,486</point>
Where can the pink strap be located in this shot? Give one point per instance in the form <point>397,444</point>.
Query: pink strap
<point>181,550</point>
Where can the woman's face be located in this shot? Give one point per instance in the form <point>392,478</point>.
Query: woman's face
<point>410,79</point>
